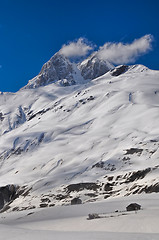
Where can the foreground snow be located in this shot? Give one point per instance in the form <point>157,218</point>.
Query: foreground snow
<point>70,222</point>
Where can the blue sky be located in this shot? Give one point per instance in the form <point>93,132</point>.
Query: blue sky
<point>31,31</point>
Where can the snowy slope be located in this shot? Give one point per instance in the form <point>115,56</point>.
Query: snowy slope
<point>70,222</point>
<point>94,140</point>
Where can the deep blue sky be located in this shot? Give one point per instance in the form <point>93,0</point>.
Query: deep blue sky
<point>31,31</point>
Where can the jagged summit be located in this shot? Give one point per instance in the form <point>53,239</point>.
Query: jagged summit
<point>94,67</point>
<point>57,68</point>
<point>60,69</point>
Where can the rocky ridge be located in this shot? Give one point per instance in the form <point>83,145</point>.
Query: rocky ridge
<point>60,69</point>
<point>94,67</point>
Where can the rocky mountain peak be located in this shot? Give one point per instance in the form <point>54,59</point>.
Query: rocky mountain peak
<point>60,68</point>
<point>94,67</point>
<point>57,68</point>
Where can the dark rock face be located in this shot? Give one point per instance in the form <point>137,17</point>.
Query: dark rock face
<point>137,175</point>
<point>119,70</point>
<point>133,207</point>
<point>81,186</point>
<point>60,197</point>
<point>93,67</point>
<point>57,68</point>
<point>7,194</point>
<point>99,165</point>
<point>43,205</point>
<point>133,151</point>
<point>93,216</point>
<point>108,187</point>
<point>110,178</point>
<point>75,201</point>
<point>1,116</point>
<point>150,189</point>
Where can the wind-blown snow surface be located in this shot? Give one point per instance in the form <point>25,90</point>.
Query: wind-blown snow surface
<point>104,130</point>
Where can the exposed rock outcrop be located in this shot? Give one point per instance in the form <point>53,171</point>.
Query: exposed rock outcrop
<point>119,70</point>
<point>7,194</point>
<point>81,186</point>
<point>94,67</point>
<point>57,68</point>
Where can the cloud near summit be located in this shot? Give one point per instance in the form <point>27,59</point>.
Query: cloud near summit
<point>115,53</point>
<point>77,48</point>
<point>120,53</point>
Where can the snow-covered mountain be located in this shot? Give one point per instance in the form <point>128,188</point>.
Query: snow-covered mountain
<point>60,69</point>
<point>90,140</point>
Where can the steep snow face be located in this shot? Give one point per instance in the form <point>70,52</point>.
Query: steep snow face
<point>94,67</point>
<point>93,140</point>
<point>58,68</point>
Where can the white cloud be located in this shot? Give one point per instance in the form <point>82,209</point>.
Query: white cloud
<point>77,48</point>
<point>120,53</point>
